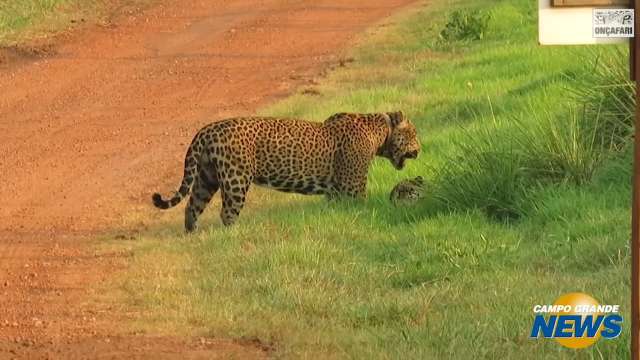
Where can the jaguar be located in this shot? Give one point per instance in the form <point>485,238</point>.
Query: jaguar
<point>328,158</point>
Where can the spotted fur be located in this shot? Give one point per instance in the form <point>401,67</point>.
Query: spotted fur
<point>330,158</point>
<point>408,192</point>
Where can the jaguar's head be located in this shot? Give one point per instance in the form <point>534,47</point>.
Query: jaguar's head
<point>402,142</point>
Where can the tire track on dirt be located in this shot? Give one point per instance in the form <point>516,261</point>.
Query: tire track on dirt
<point>87,133</point>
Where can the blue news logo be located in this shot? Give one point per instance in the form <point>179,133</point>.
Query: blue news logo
<point>576,320</point>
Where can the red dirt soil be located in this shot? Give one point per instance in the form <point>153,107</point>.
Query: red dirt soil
<point>90,128</point>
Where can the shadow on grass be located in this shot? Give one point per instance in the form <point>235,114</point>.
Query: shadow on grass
<point>537,84</point>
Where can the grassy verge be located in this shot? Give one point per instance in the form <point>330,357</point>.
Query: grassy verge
<point>25,20</point>
<point>523,207</point>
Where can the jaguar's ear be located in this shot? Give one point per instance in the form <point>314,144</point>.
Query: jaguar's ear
<point>397,118</point>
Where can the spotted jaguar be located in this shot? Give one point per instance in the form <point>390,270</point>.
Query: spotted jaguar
<point>408,192</point>
<point>330,158</point>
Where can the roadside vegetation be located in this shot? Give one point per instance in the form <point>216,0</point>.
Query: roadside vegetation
<point>527,157</point>
<point>28,20</point>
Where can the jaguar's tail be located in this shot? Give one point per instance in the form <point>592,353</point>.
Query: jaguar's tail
<point>191,162</point>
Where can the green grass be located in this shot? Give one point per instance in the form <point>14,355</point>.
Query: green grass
<point>456,275</point>
<point>22,21</point>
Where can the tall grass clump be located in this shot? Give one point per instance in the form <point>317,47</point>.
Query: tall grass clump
<point>495,167</point>
<point>485,172</point>
<point>560,148</point>
<point>605,90</point>
<point>465,25</point>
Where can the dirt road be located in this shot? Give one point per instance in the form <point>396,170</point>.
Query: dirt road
<point>91,129</point>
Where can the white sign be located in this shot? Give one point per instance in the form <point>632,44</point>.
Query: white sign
<point>569,26</point>
<point>612,23</point>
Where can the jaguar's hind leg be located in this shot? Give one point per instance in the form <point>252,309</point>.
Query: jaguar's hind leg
<point>234,192</point>
<point>205,186</point>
